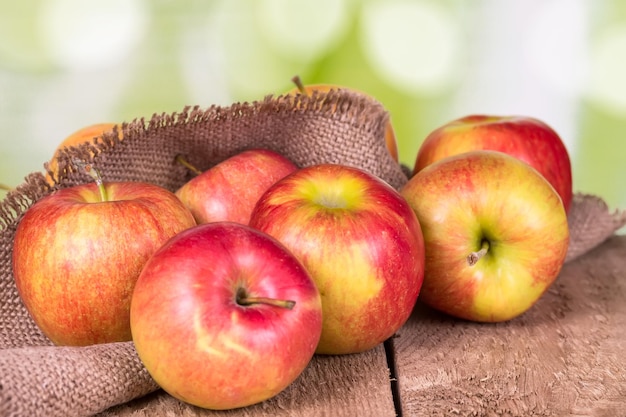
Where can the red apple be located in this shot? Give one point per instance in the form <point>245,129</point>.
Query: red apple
<point>525,138</point>
<point>224,316</point>
<point>78,252</point>
<point>229,190</point>
<point>390,134</point>
<point>361,243</point>
<point>495,233</point>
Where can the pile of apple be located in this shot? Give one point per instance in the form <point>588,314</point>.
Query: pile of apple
<point>229,285</point>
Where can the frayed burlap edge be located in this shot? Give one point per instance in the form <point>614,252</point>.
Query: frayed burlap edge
<point>74,385</point>
<point>591,222</point>
<point>39,379</point>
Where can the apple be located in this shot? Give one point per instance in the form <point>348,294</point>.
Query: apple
<point>78,252</point>
<point>229,190</point>
<point>361,243</point>
<point>307,90</point>
<point>525,138</point>
<point>85,134</point>
<point>224,316</point>
<point>495,233</point>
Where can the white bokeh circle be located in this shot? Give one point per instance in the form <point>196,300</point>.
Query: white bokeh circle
<point>95,34</point>
<point>558,53</point>
<point>302,29</point>
<point>413,46</point>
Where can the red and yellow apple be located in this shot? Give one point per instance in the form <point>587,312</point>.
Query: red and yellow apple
<point>525,138</point>
<point>78,252</point>
<point>361,243</point>
<point>224,316</point>
<point>495,233</point>
<point>307,90</point>
<point>85,134</point>
<point>229,190</point>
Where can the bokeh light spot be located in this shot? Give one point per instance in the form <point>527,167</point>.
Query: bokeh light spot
<point>302,29</point>
<point>90,35</point>
<point>412,45</point>
<point>254,67</point>
<point>557,53</point>
<point>607,85</point>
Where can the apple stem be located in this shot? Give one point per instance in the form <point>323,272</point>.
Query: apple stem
<point>181,160</point>
<point>298,82</point>
<point>5,187</point>
<point>245,300</point>
<point>474,257</point>
<point>95,174</point>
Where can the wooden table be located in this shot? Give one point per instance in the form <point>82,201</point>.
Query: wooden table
<point>566,356</point>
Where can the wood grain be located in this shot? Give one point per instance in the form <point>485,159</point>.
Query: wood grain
<point>563,357</point>
<point>337,386</point>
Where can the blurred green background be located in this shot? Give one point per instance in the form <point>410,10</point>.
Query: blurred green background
<point>65,64</point>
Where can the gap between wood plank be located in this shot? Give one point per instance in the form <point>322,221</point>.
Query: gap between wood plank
<point>390,354</point>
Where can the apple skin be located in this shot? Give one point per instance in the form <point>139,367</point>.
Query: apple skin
<point>361,243</point>
<point>229,190</point>
<point>525,138</point>
<point>465,199</point>
<point>83,135</point>
<point>390,135</point>
<point>76,258</point>
<point>198,342</point>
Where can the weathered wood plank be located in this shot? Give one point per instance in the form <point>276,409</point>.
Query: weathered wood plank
<point>347,385</point>
<point>566,356</point>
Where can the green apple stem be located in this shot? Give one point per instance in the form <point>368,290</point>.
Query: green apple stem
<point>298,82</point>
<point>181,160</point>
<point>474,257</point>
<point>245,300</point>
<point>95,174</point>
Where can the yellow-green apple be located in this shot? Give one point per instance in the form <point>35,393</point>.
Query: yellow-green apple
<point>523,137</point>
<point>229,190</point>
<point>361,243</point>
<point>307,90</point>
<point>85,134</point>
<point>495,232</point>
<point>224,316</point>
<point>79,251</point>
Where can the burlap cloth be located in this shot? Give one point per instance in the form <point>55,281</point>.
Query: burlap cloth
<point>38,379</point>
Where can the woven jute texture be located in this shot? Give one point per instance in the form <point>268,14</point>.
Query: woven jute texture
<point>39,379</point>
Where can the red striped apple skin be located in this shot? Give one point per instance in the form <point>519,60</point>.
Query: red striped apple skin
<point>361,243</point>
<point>491,200</point>
<point>525,138</point>
<point>224,316</point>
<point>229,190</point>
<point>76,258</point>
